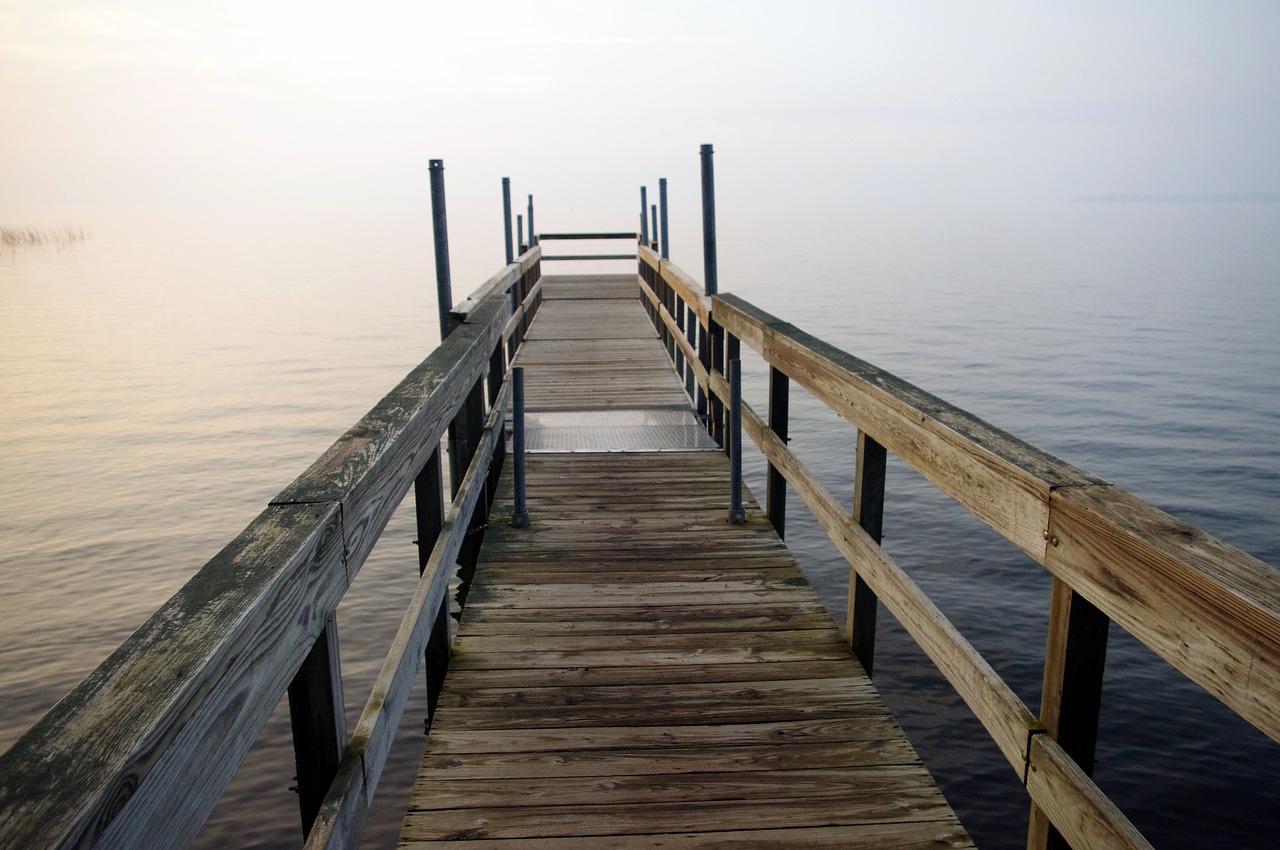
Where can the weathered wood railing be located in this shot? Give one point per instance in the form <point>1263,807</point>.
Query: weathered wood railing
<point>138,754</point>
<point>1210,610</point>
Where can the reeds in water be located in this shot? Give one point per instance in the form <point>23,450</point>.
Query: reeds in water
<point>13,239</point>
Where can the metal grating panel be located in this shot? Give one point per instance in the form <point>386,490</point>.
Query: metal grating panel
<point>653,430</point>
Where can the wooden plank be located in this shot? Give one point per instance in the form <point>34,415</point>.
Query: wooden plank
<point>1207,608</point>
<point>639,762</point>
<point>633,665</point>
<point>900,802</point>
<point>895,836</point>
<point>1082,813</point>
<point>138,753</point>
<point>1005,717</point>
<point>1002,480</point>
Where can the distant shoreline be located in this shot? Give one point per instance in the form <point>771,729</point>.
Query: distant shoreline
<point>14,239</point>
<point>1225,198</point>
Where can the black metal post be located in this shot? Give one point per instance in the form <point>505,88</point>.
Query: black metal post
<point>533,239</point>
<point>662,203</point>
<point>737,514</point>
<point>506,217</point>
<point>653,210</point>
<point>439,221</point>
<point>520,232</point>
<point>709,222</point>
<point>644,211</point>
<point>520,516</point>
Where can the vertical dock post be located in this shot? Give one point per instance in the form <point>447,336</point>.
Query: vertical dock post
<point>706,402</point>
<point>533,240</point>
<point>440,228</point>
<point>519,516</point>
<point>776,484</point>
<point>428,497</point>
<point>506,217</point>
<point>653,209</point>
<point>709,222</point>
<point>1071,698</point>
<point>318,720</point>
<point>662,204</point>
<point>520,231</point>
<point>644,216</point>
<point>737,515</point>
<point>868,512</point>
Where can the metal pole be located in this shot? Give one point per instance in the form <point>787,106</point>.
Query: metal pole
<point>653,209</point>
<point>644,213</point>
<point>533,239</point>
<point>439,220</point>
<point>520,230</point>
<point>662,203</point>
<point>737,515</point>
<point>520,516</point>
<point>506,217</point>
<point>709,222</point>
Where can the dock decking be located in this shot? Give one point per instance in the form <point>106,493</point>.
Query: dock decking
<point>635,671</point>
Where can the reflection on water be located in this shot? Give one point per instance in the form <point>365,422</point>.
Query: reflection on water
<point>151,405</point>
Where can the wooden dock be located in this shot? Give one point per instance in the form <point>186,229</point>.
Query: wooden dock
<point>635,671</point>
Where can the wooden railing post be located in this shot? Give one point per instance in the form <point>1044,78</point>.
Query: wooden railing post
<point>775,483</point>
<point>318,718</point>
<point>464,435</point>
<point>868,512</point>
<point>428,495</point>
<point>1071,696</point>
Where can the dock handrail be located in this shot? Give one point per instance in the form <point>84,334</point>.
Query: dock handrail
<point>609,235</point>
<point>1209,609</point>
<point>139,753</point>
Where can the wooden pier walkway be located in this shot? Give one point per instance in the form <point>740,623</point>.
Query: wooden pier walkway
<point>635,671</point>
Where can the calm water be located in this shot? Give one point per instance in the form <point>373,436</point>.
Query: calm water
<point>153,399</point>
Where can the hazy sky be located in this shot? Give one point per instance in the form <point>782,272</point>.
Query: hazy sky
<point>252,106</point>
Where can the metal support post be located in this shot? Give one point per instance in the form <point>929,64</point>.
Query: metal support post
<point>520,516</point>
<point>440,227</point>
<point>533,239</point>
<point>506,217</point>
<point>644,212</point>
<point>737,514</point>
<point>662,204</point>
<point>653,209</point>
<point>709,222</point>
<point>520,232</point>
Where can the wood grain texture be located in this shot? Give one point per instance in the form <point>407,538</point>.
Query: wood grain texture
<point>1207,608</point>
<point>139,752</point>
<point>1002,480</point>
<point>598,689</point>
